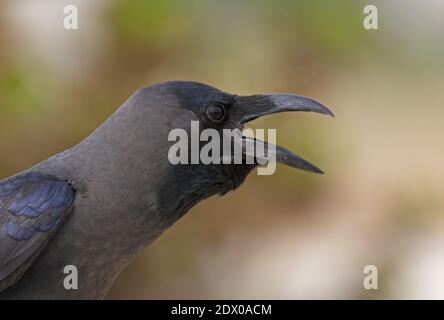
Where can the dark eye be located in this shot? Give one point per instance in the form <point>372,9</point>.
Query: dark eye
<point>215,113</point>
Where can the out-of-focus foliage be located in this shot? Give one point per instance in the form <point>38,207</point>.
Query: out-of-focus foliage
<point>144,23</point>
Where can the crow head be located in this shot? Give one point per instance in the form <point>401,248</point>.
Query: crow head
<point>180,105</point>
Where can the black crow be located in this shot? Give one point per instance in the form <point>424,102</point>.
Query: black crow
<point>96,205</point>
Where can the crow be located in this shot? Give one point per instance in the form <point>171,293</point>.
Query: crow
<point>96,205</point>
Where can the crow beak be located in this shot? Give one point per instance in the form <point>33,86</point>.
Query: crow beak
<point>248,108</point>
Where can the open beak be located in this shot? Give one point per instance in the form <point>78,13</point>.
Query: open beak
<point>248,108</point>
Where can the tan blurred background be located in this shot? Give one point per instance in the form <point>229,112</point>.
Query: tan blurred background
<point>290,235</point>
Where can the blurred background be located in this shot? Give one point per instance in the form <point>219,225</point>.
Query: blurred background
<point>289,235</point>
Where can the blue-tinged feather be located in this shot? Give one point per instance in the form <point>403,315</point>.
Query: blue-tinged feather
<point>61,198</point>
<point>44,201</point>
<point>26,212</point>
<point>18,232</point>
<point>43,207</point>
<point>41,200</point>
<point>17,206</point>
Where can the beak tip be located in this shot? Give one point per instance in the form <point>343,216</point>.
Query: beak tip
<point>318,171</point>
<point>326,111</point>
<point>330,114</point>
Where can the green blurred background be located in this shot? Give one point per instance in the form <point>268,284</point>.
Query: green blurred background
<point>290,235</point>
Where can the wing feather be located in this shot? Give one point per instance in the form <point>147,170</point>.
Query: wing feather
<point>32,207</point>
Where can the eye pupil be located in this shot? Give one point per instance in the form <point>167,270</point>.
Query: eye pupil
<point>215,113</point>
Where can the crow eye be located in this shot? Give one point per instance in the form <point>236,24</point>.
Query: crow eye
<point>216,113</point>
